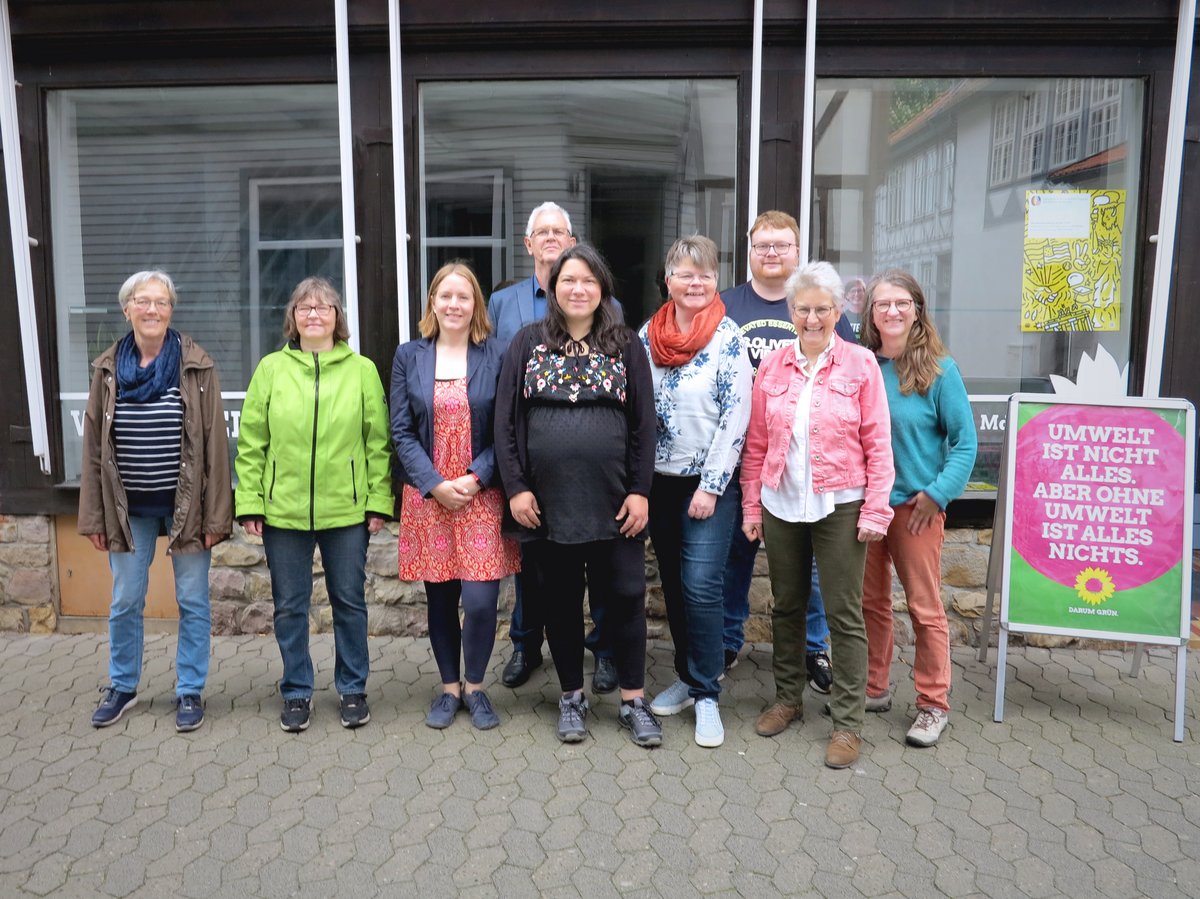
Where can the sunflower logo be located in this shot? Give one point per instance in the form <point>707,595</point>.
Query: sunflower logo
<point>1094,586</point>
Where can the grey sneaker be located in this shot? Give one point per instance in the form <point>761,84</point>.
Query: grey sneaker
<point>644,728</point>
<point>672,700</point>
<point>928,727</point>
<point>572,717</point>
<point>879,703</point>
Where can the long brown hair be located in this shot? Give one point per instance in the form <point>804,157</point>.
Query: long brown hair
<point>920,363</point>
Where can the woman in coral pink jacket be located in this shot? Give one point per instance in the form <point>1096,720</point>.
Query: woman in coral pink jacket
<point>817,473</point>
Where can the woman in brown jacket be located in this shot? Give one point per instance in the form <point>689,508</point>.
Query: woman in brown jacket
<point>155,462</point>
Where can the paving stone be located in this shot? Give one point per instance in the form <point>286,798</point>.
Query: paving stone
<point>1079,791</point>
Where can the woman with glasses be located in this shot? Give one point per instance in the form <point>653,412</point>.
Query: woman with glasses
<point>702,381</point>
<point>155,462</point>
<point>816,474</point>
<point>933,442</point>
<point>443,423</point>
<point>314,471</point>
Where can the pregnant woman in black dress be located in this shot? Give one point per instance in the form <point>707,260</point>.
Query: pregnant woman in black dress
<point>575,449</point>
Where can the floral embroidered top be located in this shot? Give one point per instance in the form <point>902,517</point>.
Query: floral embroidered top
<point>702,408</point>
<point>558,378</point>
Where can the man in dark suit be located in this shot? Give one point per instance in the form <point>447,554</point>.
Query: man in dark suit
<point>547,234</point>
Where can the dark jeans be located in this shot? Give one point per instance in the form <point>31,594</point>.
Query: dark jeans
<point>691,561</point>
<point>475,637</point>
<point>738,572</point>
<point>528,621</point>
<point>344,557</point>
<point>614,574</point>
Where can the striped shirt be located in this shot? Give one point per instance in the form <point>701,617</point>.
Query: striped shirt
<point>148,438</point>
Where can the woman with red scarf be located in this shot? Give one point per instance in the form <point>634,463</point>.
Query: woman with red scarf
<point>702,383</point>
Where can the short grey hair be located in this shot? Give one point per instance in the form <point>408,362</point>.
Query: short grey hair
<point>139,279</point>
<point>816,276</point>
<point>547,207</point>
<point>697,249</point>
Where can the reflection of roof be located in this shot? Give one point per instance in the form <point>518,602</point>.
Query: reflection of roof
<point>1095,161</point>
<point>952,96</point>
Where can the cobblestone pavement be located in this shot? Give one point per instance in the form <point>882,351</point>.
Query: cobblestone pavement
<point>1080,792</point>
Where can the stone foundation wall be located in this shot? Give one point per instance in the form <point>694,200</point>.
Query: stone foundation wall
<point>241,592</point>
<point>241,588</point>
<point>28,575</point>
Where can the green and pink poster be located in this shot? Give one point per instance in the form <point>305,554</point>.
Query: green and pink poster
<point>1099,515</point>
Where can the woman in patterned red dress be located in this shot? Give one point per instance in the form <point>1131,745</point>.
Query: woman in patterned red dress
<point>443,408</point>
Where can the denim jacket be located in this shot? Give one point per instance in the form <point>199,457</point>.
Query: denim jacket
<point>850,430</point>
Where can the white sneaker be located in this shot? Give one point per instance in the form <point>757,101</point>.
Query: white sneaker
<point>672,700</point>
<point>710,733</point>
<point>928,727</point>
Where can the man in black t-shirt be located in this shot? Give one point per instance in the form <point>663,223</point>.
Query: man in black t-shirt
<point>759,308</point>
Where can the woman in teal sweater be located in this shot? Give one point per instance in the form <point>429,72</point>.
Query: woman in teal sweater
<point>933,444</point>
<point>313,469</point>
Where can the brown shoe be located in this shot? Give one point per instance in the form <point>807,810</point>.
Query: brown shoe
<point>777,717</point>
<point>843,749</point>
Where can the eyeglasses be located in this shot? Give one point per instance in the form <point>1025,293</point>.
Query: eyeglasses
<point>691,277</point>
<point>821,312</point>
<point>558,233</point>
<point>902,306</point>
<point>144,303</point>
<point>321,309</point>
<point>765,249</point>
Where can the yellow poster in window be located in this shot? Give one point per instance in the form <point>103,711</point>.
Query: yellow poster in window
<point>1071,279</point>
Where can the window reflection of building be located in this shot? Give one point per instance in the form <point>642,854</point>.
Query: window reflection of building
<point>943,195</point>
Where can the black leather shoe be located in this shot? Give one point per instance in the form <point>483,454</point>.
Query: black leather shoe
<point>519,667</point>
<point>604,678</point>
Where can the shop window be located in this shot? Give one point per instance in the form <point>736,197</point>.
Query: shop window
<point>1009,319</point>
<point>233,191</point>
<point>636,163</point>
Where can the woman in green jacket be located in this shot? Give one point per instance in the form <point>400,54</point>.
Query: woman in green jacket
<point>313,470</point>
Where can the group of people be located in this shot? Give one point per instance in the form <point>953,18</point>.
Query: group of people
<point>538,435</point>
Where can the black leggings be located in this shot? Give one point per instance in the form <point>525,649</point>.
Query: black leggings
<point>476,636</point>
<point>614,573</point>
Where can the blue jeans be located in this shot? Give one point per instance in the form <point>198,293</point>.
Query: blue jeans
<point>691,559</point>
<point>344,558</point>
<point>126,631</point>
<point>738,572</point>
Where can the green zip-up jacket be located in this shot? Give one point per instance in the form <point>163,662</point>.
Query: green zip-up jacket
<point>313,449</point>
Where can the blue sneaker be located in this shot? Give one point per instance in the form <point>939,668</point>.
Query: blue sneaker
<point>189,713</point>
<point>113,705</point>
<point>710,732</point>
<point>672,700</point>
<point>442,712</point>
<point>483,716</point>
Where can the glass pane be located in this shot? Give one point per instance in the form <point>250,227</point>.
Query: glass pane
<point>191,181</point>
<point>1013,201</point>
<point>481,260</point>
<point>298,209</point>
<point>636,163</point>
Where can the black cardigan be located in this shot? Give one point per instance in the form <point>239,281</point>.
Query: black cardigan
<point>511,422</point>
